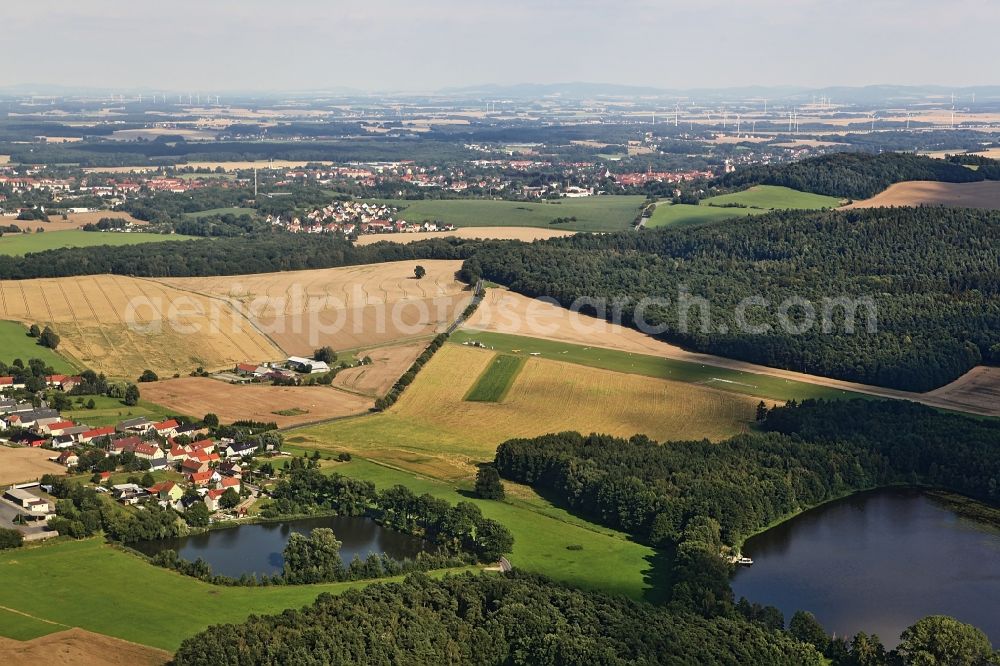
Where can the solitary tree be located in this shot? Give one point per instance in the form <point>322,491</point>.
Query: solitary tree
<point>326,355</point>
<point>488,483</point>
<point>148,376</point>
<point>761,411</point>
<point>34,331</point>
<point>211,420</point>
<point>229,499</point>
<point>48,338</point>
<point>419,272</point>
<point>131,397</point>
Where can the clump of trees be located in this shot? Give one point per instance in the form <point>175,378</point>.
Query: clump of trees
<point>488,483</point>
<point>10,539</point>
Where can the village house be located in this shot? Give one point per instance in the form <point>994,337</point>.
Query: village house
<point>62,382</point>
<point>29,505</point>
<point>10,384</point>
<point>190,429</point>
<point>128,493</point>
<point>68,458</point>
<point>228,482</point>
<point>204,479</point>
<point>34,417</point>
<point>140,424</point>
<point>166,491</point>
<point>212,498</point>
<point>194,466</point>
<point>241,450</point>
<point>89,436</point>
<point>166,428</point>
<point>231,468</point>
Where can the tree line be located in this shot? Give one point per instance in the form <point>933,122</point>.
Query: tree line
<point>925,282</point>
<point>853,175</point>
<point>263,253</point>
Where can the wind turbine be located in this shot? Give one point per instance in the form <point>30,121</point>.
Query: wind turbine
<point>677,114</point>
<point>873,120</point>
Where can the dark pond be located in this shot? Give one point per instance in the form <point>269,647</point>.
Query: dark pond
<point>257,548</point>
<point>877,562</point>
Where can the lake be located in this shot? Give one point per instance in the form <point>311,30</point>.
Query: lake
<point>257,548</point>
<point>877,562</point>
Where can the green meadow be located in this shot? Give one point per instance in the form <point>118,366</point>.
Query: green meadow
<point>596,214</point>
<point>100,588</point>
<point>15,343</point>
<point>753,201</point>
<point>21,244</point>
<point>222,211</point>
<point>497,379</point>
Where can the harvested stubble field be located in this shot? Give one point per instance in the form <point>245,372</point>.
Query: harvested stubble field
<point>18,465</point>
<point>345,308</point>
<point>476,233</point>
<point>197,396</point>
<point>388,364</point>
<point>173,331</point>
<point>985,194</point>
<point>80,648</point>
<point>979,386</point>
<point>433,430</point>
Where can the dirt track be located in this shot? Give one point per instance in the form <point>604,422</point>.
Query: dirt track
<point>79,648</point>
<point>508,312</point>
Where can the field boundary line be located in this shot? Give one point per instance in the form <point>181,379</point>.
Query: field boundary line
<point>221,300</point>
<point>35,617</point>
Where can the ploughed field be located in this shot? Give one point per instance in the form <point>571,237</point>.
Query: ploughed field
<point>284,405</point>
<point>985,194</point>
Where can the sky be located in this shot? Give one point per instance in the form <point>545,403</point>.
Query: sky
<point>216,46</point>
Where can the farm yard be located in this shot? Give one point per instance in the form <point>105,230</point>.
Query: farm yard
<point>90,314</point>
<point>599,213</point>
<point>285,405</point>
<point>985,194</point>
<point>527,234</point>
<point>21,244</point>
<point>25,464</point>
<point>434,430</point>
<point>346,308</point>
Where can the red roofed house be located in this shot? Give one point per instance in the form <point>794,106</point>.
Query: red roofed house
<point>166,428</point>
<point>212,499</point>
<point>56,428</point>
<point>228,482</point>
<point>194,466</point>
<point>176,453</point>
<point>167,491</point>
<point>91,435</point>
<point>202,478</point>
<point>68,458</point>
<point>9,384</point>
<point>64,382</point>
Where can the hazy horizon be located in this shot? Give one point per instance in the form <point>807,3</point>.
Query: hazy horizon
<point>391,45</point>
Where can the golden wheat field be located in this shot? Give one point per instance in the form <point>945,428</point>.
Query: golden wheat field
<point>433,430</point>
<point>345,308</point>
<point>120,325</point>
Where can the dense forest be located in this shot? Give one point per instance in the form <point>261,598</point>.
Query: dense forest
<point>263,253</point>
<point>852,175</point>
<point>699,499</point>
<point>930,276</point>
<point>488,619</point>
